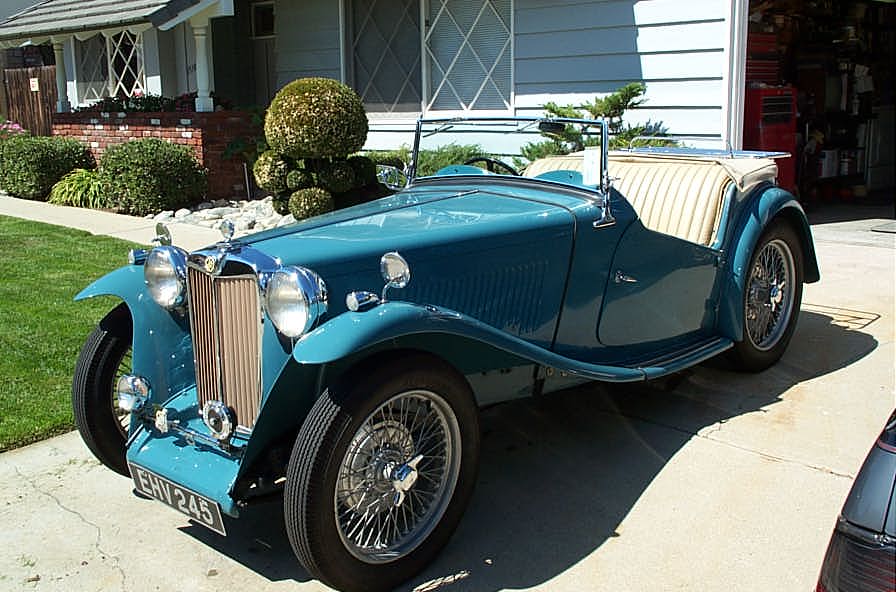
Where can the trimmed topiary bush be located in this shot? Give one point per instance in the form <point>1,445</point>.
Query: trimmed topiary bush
<point>316,118</point>
<point>30,166</point>
<point>82,188</point>
<point>365,170</point>
<point>299,179</point>
<point>337,177</point>
<point>150,175</point>
<point>309,202</point>
<point>270,171</point>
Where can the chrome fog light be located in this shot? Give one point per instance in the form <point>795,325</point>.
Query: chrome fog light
<point>132,392</point>
<point>219,419</point>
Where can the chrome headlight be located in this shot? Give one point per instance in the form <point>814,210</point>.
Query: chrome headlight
<point>295,298</point>
<point>165,273</point>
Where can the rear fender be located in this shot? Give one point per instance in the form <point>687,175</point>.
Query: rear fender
<point>769,204</point>
<point>162,347</point>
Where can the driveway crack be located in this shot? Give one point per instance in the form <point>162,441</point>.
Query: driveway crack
<point>64,508</point>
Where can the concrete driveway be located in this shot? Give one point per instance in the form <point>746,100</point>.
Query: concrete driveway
<point>719,481</point>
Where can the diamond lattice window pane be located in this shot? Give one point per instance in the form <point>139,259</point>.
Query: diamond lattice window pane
<point>385,63</point>
<point>125,58</point>
<point>468,54</point>
<point>92,69</point>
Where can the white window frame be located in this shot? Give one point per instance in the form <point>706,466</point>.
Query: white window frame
<point>345,47</point>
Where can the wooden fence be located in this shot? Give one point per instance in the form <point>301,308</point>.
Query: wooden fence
<point>31,97</point>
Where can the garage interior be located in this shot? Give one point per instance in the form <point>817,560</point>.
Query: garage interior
<point>819,78</point>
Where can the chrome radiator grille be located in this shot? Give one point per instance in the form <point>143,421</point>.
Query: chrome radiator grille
<point>225,320</point>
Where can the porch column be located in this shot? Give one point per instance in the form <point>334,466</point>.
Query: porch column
<point>62,104</point>
<point>203,101</point>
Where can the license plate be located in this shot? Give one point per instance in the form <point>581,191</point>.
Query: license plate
<point>200,508</point>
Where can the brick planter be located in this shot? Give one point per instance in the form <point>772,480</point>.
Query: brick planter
<point>208,134</point>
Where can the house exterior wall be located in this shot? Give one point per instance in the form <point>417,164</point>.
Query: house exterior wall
<point>569,51</point>
<point>307,39</point>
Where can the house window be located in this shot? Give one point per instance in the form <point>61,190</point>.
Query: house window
<point>468,54</point>
<point>262,20</point>
<point>125,52</point>
<point>461,62</point>
<point>110,65</point>
<point>92,69</point>
<point>385,54</point>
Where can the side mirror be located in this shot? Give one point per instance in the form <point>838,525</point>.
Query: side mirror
<point>392,177</point>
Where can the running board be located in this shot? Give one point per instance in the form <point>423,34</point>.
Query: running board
<point>681,359</point>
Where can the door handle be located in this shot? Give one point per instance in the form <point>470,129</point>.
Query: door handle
<point>621,278</point>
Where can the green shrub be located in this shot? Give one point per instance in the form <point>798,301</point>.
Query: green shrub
<point>81,188</point>
<point>299,179</point>
<point>364,168</point>
<point>30,166</point>
<point>309,202</point>
<point>270,172</point>
<point>337,177</point>
<point>429,161</point>
<point>394,158</point>
<point>151,175</point>
<point>316,118</point>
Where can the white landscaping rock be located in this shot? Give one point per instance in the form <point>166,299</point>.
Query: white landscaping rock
<point>247,216</point>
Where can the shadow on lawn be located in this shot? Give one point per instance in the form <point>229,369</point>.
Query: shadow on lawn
<point>558,474</point>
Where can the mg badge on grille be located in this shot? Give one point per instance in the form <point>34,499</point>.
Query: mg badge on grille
<point>210,264</point>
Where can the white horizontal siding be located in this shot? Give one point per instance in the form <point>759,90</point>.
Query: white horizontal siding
<point>570,51</point>
<point>682,93</point>
<point>307,39</point>
<point>547,15</point>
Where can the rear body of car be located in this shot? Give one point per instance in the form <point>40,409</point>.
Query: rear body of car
<point>861,556</point>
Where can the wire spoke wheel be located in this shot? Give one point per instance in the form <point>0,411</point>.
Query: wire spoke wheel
<point>381,471</point>
<point>397,476</point>
<point>770,295</point>
<point>123,417</point>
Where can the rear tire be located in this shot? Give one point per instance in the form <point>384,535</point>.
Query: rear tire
<point>381,472</point>
<point>104,357</point>
<point>773,291</point>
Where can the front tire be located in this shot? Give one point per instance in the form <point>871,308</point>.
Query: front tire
<point>773,291</point>
<point>381,472</point>
<point>104,357</point>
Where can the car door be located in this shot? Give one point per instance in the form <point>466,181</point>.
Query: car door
<point>659,287</point>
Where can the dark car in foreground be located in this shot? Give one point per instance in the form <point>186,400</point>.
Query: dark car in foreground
<point>340,362</point>
<point>861,556</point>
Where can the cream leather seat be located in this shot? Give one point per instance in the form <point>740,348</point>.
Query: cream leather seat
<point>680,196</point>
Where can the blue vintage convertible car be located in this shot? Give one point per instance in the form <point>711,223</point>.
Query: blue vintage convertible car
<point>341,361</point>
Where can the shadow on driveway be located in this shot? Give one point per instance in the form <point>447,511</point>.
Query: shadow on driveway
<point>559,473</point>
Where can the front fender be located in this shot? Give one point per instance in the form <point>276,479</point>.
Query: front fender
<point>771,203</point>
<point>352,332</point>
<point>162,347</point>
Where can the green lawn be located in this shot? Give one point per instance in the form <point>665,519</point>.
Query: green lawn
<point>42,267</point>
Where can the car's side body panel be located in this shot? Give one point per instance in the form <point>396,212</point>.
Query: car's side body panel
<point>660,288</point>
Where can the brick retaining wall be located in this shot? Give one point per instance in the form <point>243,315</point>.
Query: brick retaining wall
<point>208,134</point>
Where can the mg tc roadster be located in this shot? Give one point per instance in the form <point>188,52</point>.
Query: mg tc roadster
<point>340,362</point>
